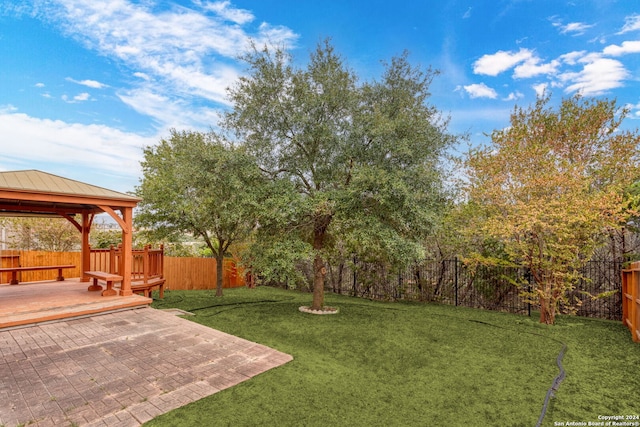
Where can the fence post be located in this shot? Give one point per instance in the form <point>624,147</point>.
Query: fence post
<point>635,306</point>
<point>455,280</point>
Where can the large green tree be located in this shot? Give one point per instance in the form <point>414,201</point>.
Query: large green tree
<point>356,162</point>
<point>198,183</point>
<point>550,186</point>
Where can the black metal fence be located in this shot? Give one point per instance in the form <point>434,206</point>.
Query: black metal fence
<point>598,294</point>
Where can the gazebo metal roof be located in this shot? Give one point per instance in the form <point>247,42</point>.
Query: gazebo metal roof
<point>37,193</point>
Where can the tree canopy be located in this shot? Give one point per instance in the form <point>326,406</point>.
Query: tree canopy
<point>356,163</point>
<point>198,183</point>
<point>550,185</point>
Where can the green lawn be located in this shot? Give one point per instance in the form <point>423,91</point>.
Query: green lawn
<point>404,364</point>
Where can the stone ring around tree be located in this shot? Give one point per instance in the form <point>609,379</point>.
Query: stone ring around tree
<point>324,310</point>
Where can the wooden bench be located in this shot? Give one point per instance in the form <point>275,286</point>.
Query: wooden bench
<point>147,287</point>
<point>108,278</point>
<point>14,271</point>
<point>146,267</point>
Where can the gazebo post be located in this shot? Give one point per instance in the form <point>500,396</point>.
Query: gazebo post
<point>85,263</point>
<point>127,243</point>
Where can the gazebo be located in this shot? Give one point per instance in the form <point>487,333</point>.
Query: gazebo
<point>40,194</point>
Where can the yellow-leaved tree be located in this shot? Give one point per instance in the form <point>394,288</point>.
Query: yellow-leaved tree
<point>550,185</point>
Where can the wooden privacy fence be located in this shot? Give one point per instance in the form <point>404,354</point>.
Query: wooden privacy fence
<point>200,273</point>
<point>631,299</point>
<point>181,273</point>
<point>38,258</point>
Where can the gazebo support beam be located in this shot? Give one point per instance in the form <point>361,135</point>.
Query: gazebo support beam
<point>126,224</point>
<point>120,220</point>
<point>85,262</point>
<point>127,257</point>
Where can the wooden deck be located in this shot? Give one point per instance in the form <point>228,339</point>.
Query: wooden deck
<point>37,302</point>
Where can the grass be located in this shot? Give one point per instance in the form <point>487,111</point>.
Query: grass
<point>405,364</point>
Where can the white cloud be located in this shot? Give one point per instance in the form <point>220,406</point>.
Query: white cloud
<point>274,34</point>
<point>526,64</point>
<point>480,90</point>
<point>572,58</point>
<point>590,57</point>
<point>167,112</point>
<point>181,58</point>
<point>494,64</point>
<point>89,83</point>
<point>514,96</point>
<point>81,97</point>
<point>540,88</point>
<point>84,96</point>
<point>7,109</point>
<point>599,39</point>
<point>142,76</point>
<point>626,47</point>
<point>223,9</point>
<point>54,142</point>
<point>211,86</point>
<point>574,28</point>
<point>126,30</point>
<point>39,85</point>
<point>190,52</point>
<point>181,35</point>
<point>631,23</point>
<point>598,76</point>
<point>532,67</point>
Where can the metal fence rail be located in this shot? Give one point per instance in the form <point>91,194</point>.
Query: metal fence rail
<point>450,281</point>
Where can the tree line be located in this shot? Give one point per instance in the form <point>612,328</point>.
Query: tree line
<point>310,163</point>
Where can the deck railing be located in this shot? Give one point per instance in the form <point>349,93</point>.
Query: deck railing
<point>146,263</point>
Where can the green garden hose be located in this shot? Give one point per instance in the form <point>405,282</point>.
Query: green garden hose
<point>557,380</point>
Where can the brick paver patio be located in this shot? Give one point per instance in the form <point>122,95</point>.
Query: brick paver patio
<point>119,369</point>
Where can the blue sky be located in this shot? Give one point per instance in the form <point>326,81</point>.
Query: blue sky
<point>86,84</point>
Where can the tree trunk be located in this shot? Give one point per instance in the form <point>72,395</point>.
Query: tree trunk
<point>318,283</point>
<point>319,231</point>
<point>219,272</point>
<point>547,306</point>
<point>547,313</point>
